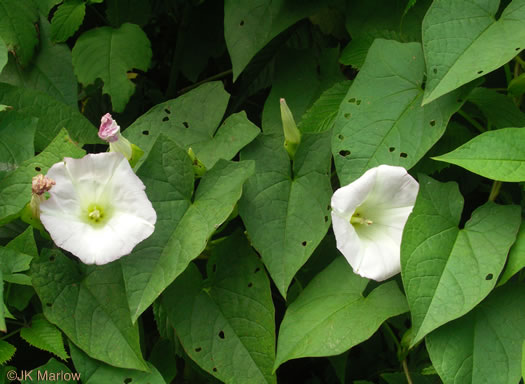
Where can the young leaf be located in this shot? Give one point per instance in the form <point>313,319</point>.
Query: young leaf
<point>496,155</point>
<point>499,109</point>
<point>44,335</point>
<point>17,28</point>
<point>15,188</point>
<point>447,271</point>
<point>381,120</point>
<point>51,71</point>
<point>6,351</point>
<point>227,324</point>
<point>109,53</point>
<point>67,19</point>
<point>184,225</point>
<point>486,344</point>
<point>516,260</point>
<point>17,136</point>
<point>95,372</point>
<point>52,116</point>
<point>249,26</point>
<point>12,262</point>
<point>332,315</point>
<point>286,212</point>
<point>486,42</point>
<point>70,299</point>
<point>3,54</point>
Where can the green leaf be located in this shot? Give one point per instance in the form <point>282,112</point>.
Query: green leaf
<point>17,28</point>
<point>285,210</point>
<point>516,260</point>
<point>128,11</point>
<point>516,86</point>
<point>234,134</point>
<point>367,20</point>
<point>51,372</point>
<point>249,26</point>
<point>67,19</point>
<point>44,335</point>
<point>162,356</point>
<point>332,315</point>
<point>20,296</point>
<point>45,6</point>
<point>499,109</point>
<point>183,225</point>
<point>51,71</point>
<point>89,307</point>
<point>381,120</point>
<point>486,42</point>
<point>16,257</point>
<point>191,120</point>
<point>3,327</point>
<point>95,372</point>
<point>17,136</point>
<point>485,345</point>
<point>226,323</point>
<point>320,117</point>
<point>15,188</point>
<point>3,54</point>
<point>447,271</point>
<point>24,243</point>
<point>417,378</point>
<point>52,116</point>
<point>6,351</point>
<point>108,54</point>
<point>496,155</point>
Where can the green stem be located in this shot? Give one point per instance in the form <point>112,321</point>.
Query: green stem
<point>496,186</point>
<point>520,61</point>
<point>407,373</point>
<point>391,333</point>
<point>472,122</point>
<point>211,78</point>
<point>10,334</point>
<point>508,73</point>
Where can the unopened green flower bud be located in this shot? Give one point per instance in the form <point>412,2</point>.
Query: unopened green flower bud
<point>292,135</point>
<point>198,168</point>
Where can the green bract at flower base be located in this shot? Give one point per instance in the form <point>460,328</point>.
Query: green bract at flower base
<point>368,217</point>
<point>98,209</point>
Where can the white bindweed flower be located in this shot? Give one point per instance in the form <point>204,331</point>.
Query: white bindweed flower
<point>368,217</point>
<point>97,209</point>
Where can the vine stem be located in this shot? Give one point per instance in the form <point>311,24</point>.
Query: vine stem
<point>389,330</point>
<point>10,334</point>
<point>494,191</point>
<point>473,122</point>
<point>407,373</point>
<point>211,78</point>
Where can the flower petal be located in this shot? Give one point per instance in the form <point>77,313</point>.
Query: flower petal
<point>346,199</point>
<point>346,239</point>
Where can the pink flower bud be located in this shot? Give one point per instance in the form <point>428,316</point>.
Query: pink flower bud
<point>109,129</point>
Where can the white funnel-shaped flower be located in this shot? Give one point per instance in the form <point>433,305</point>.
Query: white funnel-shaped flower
<point>368,217</point>
<point>98,209</point>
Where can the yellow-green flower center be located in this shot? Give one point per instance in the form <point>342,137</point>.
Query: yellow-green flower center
<point>357,218</point>
<point>96,214</point>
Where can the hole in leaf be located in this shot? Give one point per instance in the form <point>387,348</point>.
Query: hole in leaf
<point>49,305</point>
<point>348,115</point>
<point>391,149</point>
<point>250,285</point>
<point>460,100</point>
<point>517,49</point>
<point>432,123</point>
<point>221,334</point>
<point>489,276</point>
<point>340,137</point>
<point>326,219</point>
<point>186,125</point>
<point>145,133</point>
<point>328,207</point>
<point>480,72</point>
<point>241,23</point>
<point>214,369</point>
<point>352,100</point>
<point>435,70</point>
<point>38,169</point>
<point>214,267</point>
<point>198,349</point>
<point>423,84</point>
<point>52,258</point>
<point>357,102</point>
<point>344,153</point>
<point>167,111</point>
<point>257,270</point>
<point>166,118</point>
<point>128,380</point>
<point>303,243</point>
<point>403,155</point>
